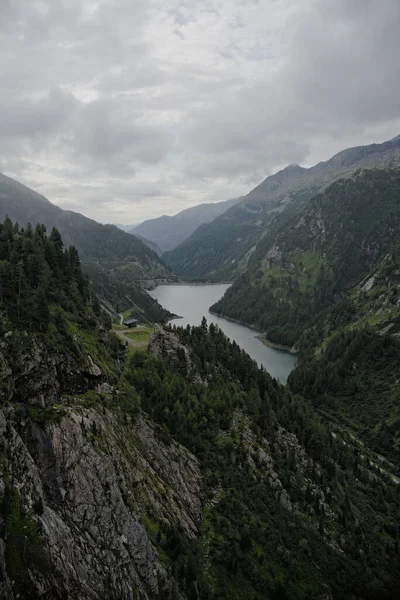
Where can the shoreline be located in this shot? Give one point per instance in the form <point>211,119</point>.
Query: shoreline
<point>264,340</point>
<point>236,321</point>
<point>260,336</point>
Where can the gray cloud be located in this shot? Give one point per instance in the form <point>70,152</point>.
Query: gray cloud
<point>133,108</point>
<point>29,117</point>
<point>112,135</point>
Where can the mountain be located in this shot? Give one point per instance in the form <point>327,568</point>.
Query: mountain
<point>328,282</point>
<point>219,251</point>
<point>126,228</point>
<point>167,232</point>
<point>113,258</point>
<point>149,243</point>
<point>182,473</point>
<point>318,256</point>
<point>155,247</point>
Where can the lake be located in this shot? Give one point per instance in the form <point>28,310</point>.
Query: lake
<point>192,302</point>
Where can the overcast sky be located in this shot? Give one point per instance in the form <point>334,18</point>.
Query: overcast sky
<point>128,109</point>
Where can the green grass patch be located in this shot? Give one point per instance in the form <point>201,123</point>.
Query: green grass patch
<point>140,335</point>
<point>303,267</point>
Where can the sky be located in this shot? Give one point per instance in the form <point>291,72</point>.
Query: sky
<point>128,109</point>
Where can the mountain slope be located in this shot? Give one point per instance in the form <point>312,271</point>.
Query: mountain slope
<point>221,249</point>
<point>329,283</point>
<point>167,232</point>
<point>69,527</point>
<point>188,474</point>
<point>126,228</point>
<point>110,254</point>
<point>318,256</point>
<point>155,247</point>
<point>184,473</point>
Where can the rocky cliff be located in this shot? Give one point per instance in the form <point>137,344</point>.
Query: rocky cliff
<point>184,474</point>
<point>89,482</point>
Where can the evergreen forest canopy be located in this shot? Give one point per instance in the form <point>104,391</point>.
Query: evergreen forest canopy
<point>328,282</point>
<point>294,510</point>
<point>293,507</point>
<point>36,271</point>
<point>117,262</point>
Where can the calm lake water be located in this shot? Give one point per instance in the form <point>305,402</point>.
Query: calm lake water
<point>192,302</point>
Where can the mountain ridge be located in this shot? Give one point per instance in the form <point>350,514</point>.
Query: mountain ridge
<point>115,257</point>
<point>221,249</point>
<point>169,231</point>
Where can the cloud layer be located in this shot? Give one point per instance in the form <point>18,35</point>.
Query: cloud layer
<point>128,109</point>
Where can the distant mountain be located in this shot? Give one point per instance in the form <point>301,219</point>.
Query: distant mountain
<point>155,247</point>
<point>149,243</point>
<point>126,228</point>
<point>116,260</point>
<point>221,249</point>
<point>167,232</point>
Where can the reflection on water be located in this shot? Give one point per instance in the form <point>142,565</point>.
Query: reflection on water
<point>192,302</point>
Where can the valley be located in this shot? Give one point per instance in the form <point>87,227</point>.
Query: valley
<point>183,459</point>
<point>115,261</point>
<point>200,300</point>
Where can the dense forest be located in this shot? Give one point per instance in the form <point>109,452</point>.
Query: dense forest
<point>116,261</point>
<point>37,271</point>
<point>319,256</point>
<point>291,505</point>
<point>292,509</point>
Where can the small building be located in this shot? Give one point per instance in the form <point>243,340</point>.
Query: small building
<point>131,323</point>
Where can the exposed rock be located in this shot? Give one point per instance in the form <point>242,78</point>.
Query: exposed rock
<point>93,369</point>
<point>368,284</point>
<point>106,388</point>
<point>40,374</point>
<point>166,344</point>
<point>96,478</point>
<point>274,255</point>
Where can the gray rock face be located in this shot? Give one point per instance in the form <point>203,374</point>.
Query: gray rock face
<point>39,375</point>
<point>100,478</point>
<point>166,344</point>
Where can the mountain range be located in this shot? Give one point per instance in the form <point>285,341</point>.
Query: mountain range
<point>220,250</point>
<point>186,472</point>
<point>116,261</point>
<point>168,232</point>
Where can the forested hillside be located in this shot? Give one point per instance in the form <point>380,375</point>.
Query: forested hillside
<point>319,256</point>
<point>329,283</point>
<point>36,271</point>
<point>187,472</point>
<point>220,251</point>
<point>113,257</point>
